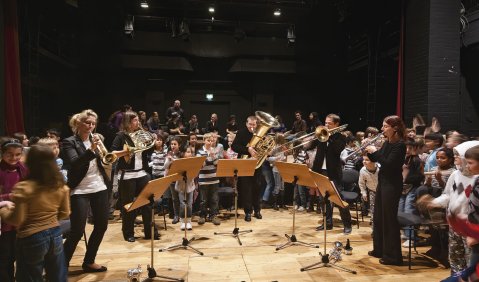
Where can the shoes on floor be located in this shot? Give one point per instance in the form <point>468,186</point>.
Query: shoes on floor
<point>374,254</point>
<point>87,268</point>
<point>182,226</point>
<point>130,239</point>
<point>301,209</point>
<point>258,215</point>
<point>216,220</point>
<point>321,227</point>
<point>201,221</point>
<point>247,217</point>
<point>175,220</point>
<point>188,226</point>
<point>348,230</point>
<point>387,262</point>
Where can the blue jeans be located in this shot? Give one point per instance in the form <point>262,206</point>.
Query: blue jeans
<point>189,203</point>
<point>42,249</point>
<point>407,204</point>
<point>267,172</point>
<point>300,191</point>
<point>278,183</point>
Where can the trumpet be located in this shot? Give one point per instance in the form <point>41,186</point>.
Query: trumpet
<point>360,150</point>
<point>106,157</point>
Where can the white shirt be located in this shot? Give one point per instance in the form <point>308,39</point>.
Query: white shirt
<point>93,180</point>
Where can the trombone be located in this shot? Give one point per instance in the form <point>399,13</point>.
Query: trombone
<point>322,133</point>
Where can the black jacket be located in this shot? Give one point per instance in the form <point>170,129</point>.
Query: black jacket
<point>391,157</point>
<point>241,141</point>
<point>332,150</point>
<point>121,139</point>
<point>76,159</point>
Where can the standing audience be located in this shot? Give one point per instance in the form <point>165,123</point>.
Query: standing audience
<point>12,170</point>
<point>40,202</point>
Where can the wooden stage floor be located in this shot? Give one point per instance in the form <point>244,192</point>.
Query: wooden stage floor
<point>256,260</point>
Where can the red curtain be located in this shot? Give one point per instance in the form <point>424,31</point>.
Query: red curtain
<point>400,91</point>
<point>13,91</point>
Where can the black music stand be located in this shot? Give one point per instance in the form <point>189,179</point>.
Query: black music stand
<point>187,168</point>
<point>235,168</point>
<point>329,191</point>
<point>151,192</point>
<point>295,174</point>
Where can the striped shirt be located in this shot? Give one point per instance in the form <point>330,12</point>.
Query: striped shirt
<point>301,157</point>
<point>208,171</point>
<point>157,163</point>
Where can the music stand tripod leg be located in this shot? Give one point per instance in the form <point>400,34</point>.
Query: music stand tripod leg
<point>292,241</point>
<point>151,268</point>
<point>325,257</point>
<point>236,232</point>
<point>185,243</point>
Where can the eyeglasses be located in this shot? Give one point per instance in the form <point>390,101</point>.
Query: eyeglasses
<point>11,142</point>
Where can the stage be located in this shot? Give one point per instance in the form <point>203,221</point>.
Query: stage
<point>256,260</point>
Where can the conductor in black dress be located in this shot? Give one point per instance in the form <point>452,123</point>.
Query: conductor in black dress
<point>386,238</point>
<point>249,187</point>
<point>328,163</point>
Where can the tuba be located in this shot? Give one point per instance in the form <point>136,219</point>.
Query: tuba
<point>261,142</point>
<point>142,140</point>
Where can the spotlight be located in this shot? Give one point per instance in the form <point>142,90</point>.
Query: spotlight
<point>129,30</point>
<point>144,4</point>
<point>209,96</point>
<point>277,12</point>
<point>211,9</point>
<point>291,36</point>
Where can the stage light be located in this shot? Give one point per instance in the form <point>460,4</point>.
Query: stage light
<point>211,9</point>
<point>277,12</point>
<point>291,35</point>
<point>209,96</point>
<point>144,4</point>
<point>129,29</point>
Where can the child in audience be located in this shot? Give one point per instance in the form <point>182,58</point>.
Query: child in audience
<point>173,154</point>
<point>434,183</point>
<point>368,182</point>
<point>158,158</point>
<point>300,157</point>
<point>278,192</point>
<point>53,143</point>
<point>180,188</point>
<point>207,180</point>
<point>412,179</point>
<point>12,170</point>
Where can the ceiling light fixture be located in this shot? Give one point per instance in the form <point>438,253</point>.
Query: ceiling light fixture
<point>209,96</point>
<point>211,9</point>
<point>144,4</point>
<point>277,12</point>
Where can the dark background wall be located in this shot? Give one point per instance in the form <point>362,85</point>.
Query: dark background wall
<point>85,60</point>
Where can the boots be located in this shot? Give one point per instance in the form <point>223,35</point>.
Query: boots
<point>312,201</point>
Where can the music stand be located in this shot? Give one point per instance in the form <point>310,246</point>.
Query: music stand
<point>151,192</point>
<point>235,168</point>
<point>187,168</point>
<point>295,174</point>
<point>329,191</point>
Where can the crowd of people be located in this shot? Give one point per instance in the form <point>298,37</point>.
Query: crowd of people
<point>48,180</point>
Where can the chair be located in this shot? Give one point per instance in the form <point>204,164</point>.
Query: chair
<point>412,222</point>
<point>350,192</point>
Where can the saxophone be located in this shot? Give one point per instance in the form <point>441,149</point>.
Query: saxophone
<point>261,142</point>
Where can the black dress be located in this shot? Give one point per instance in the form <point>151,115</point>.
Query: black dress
<point>386,231</point>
